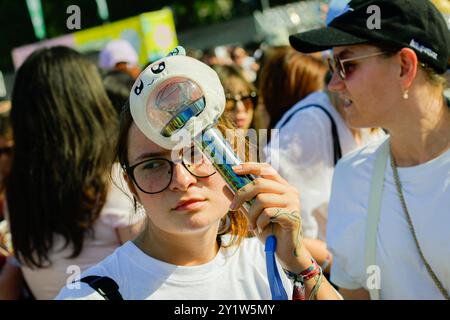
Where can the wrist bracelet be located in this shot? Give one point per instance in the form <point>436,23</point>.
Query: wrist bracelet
<point>313,270</point>
<point>299,280</point>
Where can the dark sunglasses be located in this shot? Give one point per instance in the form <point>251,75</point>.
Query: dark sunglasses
<point>338,64</point>
<point>249,101</point>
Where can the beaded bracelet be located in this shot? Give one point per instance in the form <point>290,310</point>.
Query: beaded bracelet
<point>299,280</point>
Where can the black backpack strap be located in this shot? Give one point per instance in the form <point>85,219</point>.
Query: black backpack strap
<point>336,143</point>
<point>105,286</point>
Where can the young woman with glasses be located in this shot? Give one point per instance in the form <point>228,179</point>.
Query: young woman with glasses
<point>195,244</point>
<point>389,208</point>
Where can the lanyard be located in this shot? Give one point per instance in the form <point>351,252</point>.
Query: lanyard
<point>276,286</point>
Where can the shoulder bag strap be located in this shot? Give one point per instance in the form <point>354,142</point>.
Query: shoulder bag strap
<point>373,216</point>
<point>105,286</point>
<point>337,151</point>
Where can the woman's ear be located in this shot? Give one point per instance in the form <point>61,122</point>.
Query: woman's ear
<point>409,64</point>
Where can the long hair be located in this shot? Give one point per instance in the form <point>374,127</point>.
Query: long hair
<point>238,225</point>
<point>64,130</point>
<point>287,77</point>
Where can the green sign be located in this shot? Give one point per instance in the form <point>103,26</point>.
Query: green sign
<point>37,18</point>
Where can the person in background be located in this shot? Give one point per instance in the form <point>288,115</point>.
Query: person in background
<point>6,148</point>
<point>389,207</point>
<point>215,56</point>
<point>65,208</point>
<point>120,55</point>
<point>241,96</point>
<point>312,136</point>
<point>118,85</point>
<point>245,63</point>
<point>287,77</point>
<point>11,278</point>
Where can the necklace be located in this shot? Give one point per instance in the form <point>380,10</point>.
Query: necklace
<point>433,276</point>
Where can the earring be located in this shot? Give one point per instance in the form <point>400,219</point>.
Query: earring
<point>405,94</point>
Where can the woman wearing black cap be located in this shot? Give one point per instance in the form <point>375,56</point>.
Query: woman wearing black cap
<point>389,209</point>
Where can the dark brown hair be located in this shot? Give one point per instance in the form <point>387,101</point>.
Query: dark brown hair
<point>64,129</point>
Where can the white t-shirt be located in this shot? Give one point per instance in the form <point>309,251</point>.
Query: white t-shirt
<point>305,156</point>
<point>118,212</point>
<point>236,273</point>
<point>426,189</point>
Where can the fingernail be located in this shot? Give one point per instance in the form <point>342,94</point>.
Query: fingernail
<point>237,168</point>
<point>232,205</point>
<point>259,230</point>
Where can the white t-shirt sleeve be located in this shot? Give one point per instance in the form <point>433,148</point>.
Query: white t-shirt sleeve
<point>303,156</point>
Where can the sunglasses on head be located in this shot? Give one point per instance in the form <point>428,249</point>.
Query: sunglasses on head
<point>338,64</point>
<point>249,101</point>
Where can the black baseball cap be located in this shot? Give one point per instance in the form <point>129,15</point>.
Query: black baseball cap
<point>415,24</point>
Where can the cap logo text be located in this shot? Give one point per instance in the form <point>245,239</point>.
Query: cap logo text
<point>414,44</point>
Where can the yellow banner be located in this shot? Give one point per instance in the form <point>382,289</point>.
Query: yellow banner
<point>152,35</point>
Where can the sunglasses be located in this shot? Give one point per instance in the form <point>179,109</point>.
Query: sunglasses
<point>341,64</point>
<point>249,101</point>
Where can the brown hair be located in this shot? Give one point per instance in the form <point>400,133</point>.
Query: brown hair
<point>64,128</point>
<point>237,226</point>
<point>287,77</point>
<point>226,74</point>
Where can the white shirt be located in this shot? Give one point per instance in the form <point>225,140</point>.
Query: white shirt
<point>426,189</point>
<point>118,212</point>
<point>304,156</point>
<point>236,273</point>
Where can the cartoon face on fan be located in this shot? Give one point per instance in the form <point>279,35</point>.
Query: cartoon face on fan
<point>174,93</point>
